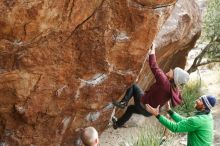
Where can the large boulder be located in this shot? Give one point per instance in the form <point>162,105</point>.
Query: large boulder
<point>63,62</point>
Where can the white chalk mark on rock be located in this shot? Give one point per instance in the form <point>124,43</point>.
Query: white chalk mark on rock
<point>92,116</point>
<point>3,144</point>
<point>82,84</point>
<point>18,43</point>
<point>59,91</point>
<point>20,109</point>
<point>121,37</point>
<point>97,79</point>
<point>65,124</point>
<point>108,107</point>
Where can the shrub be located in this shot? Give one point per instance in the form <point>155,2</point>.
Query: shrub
<point>152,136</point>
<point>191,92</point>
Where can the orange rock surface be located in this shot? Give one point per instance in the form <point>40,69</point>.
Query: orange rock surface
<point>63,62</point>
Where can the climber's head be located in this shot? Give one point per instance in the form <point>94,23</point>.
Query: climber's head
<point>179,76</point>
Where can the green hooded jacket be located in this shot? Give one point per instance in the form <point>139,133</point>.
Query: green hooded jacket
<point>199,127</point>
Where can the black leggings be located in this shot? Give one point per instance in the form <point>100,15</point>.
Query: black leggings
<point>135,92</point>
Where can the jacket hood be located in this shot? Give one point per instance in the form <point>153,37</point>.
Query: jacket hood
<point>176,98</point>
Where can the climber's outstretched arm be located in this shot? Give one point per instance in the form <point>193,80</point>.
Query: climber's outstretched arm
<point>158,73</point>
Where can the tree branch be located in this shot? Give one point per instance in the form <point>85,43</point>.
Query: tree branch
<point>198,58</point>
<point>207,62</point>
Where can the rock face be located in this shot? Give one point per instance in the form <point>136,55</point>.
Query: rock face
<point>63,62</point>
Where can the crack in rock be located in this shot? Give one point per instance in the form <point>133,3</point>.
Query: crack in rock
<point>143,7</point>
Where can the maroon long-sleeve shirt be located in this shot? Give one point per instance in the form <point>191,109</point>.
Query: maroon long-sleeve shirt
<point>161,91</point>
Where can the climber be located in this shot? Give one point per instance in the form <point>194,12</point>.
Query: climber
<point>165,88</point>
<point>199,126</point>
<point>89,136</point>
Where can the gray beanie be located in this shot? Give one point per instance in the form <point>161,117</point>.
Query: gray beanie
<point>180,76</point>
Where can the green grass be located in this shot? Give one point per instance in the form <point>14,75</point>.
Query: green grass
<point>152,136</point>
<point>191,92</point>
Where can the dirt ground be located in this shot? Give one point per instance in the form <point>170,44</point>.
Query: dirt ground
<point>122,136</point>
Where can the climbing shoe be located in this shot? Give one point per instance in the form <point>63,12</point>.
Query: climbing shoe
<point>121,104</point>
<point>114,121</point>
